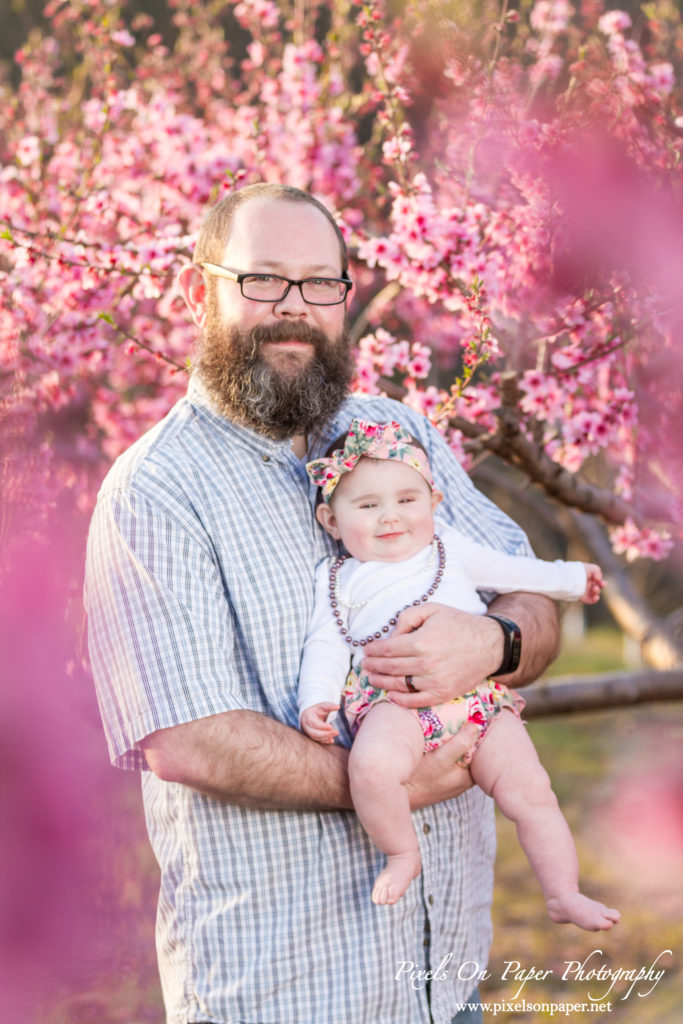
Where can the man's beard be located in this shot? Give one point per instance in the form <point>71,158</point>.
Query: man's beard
<point>248,391</point>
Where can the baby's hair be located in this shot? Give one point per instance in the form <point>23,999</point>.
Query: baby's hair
<point>339,443</point>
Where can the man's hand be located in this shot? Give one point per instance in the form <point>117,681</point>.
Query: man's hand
<point>446,652</point>
<point>437,776</point>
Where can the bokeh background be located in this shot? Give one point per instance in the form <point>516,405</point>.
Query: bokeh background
<point>508,178</point>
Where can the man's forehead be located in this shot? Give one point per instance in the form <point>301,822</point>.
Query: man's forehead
<point>282,228</point>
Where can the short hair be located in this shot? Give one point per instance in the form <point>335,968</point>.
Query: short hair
<point>216,226</point>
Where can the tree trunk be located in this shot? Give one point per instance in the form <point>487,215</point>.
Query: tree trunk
<point>659,644</point>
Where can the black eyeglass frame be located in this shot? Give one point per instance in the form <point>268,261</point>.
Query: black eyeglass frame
<point>216,270</point>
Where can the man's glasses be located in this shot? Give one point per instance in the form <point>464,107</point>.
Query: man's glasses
<point>316,291</point>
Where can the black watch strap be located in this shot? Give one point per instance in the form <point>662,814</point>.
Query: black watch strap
<point>512,645</point>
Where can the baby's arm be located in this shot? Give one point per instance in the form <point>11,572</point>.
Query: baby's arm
<point>490,569</point>
<point>324,666</point>
<point>314,722</point>
<point>594,583</point>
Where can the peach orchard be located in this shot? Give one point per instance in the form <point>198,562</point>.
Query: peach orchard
<point>508,180</point>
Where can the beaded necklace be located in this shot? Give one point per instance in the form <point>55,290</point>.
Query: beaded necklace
<point>335,600</point>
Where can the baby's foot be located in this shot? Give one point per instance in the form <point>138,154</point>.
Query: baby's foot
<point>391,884</point>
<point>575,908</point>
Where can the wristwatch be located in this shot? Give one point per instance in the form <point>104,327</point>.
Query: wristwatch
<point>512,645</point>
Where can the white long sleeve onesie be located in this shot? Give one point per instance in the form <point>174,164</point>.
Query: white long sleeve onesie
<point>382,589</point>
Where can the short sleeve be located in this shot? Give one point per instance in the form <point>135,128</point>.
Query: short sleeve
<point>160,629</point>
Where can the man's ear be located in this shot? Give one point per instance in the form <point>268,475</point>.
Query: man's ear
<point>437,498</point>
<point>325,517</point>
<point>191,283</point>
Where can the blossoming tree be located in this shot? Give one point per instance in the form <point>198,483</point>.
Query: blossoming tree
<point>509,184</point>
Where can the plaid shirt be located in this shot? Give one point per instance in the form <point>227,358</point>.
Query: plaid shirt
<point>199,590</point>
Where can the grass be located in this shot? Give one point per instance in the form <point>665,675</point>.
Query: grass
<point>601,649</point>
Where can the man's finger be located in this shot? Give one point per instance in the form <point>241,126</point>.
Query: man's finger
<point>390,668</point>
<point>391,646</point>
<point>411,618</point>
<point>421,699</point>
<point>465,738</point>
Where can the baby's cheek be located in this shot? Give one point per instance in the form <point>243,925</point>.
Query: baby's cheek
<point>358,540</point>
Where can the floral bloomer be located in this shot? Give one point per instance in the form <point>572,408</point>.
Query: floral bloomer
<point>442,722</point>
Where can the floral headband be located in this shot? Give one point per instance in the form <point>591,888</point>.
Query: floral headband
<point>371,441</point>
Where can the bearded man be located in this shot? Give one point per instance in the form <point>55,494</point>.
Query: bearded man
<point>199,588</point>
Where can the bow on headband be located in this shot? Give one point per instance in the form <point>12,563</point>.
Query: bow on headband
<point>371,441</point>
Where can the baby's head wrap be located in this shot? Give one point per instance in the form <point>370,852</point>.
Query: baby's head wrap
<point>371,441</point>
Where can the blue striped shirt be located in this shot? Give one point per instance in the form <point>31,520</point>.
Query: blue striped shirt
<point>199,589</point>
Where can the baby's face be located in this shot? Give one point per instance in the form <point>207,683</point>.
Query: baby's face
<point>381,511</point>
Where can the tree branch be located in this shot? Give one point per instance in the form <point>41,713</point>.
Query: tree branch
<point>511,444</point>
<point>569,695</point>
<point>374,306</point>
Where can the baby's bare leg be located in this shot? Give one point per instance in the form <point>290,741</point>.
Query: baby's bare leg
<point>385,753</point>
<point>506,766</point>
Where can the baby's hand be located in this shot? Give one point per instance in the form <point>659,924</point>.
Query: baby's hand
<point>314,722</point>
<point>594,583</point>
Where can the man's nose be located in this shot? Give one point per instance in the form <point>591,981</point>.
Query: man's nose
<point>293,303</point>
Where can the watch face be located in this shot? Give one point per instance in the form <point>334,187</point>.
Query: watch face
<point>515,649</point>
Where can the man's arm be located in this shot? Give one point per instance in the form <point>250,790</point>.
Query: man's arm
<point>539,621</point>
<point>249,759</point>
<point>448,652</point>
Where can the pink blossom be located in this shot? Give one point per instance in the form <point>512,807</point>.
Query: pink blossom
<point>614,22</point>
<point>551,16</point>
<point>28,150</point>
<point>473,227</point>
<point>123,38</point>
<point>640,542</point>
<point>662,78</point>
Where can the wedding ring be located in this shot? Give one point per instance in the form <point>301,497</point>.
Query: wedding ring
<point>410,685</point>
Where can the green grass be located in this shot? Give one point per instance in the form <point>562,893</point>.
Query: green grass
<point>601,650</point>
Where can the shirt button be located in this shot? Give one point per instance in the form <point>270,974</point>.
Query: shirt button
<point>430,900</point>
<point>426,829</point>
<point>265,458</point>
<point>425,942</point>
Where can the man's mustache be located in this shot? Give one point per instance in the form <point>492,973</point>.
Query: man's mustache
<point>272,334</point>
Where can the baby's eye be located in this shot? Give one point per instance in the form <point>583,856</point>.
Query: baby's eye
<point>368,504</point>
<point>403,501</point>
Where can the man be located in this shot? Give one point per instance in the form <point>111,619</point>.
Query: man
<point>199,589</point>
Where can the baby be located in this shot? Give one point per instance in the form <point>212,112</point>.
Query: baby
<point>379,500</point>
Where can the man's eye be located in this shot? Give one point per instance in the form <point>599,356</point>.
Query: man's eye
<point>322,284</point>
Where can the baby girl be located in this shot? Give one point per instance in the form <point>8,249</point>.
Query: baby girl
<point>379,501</point>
